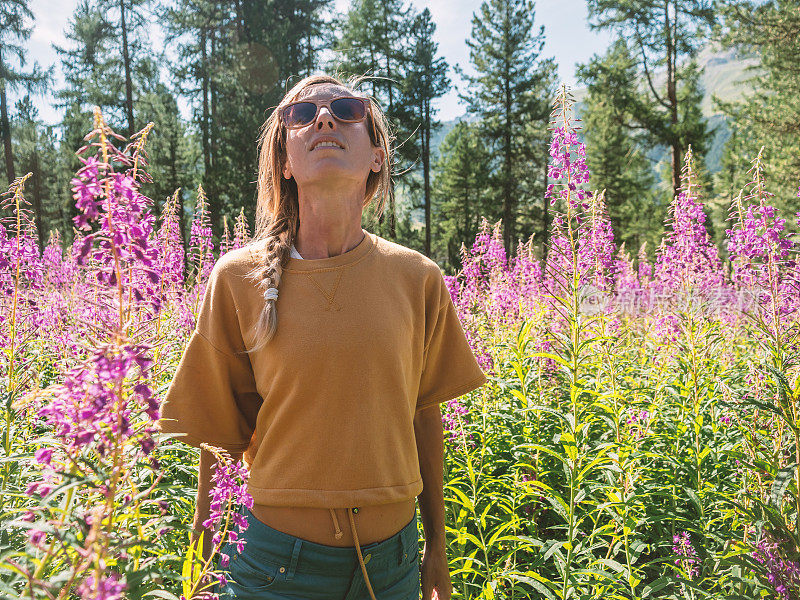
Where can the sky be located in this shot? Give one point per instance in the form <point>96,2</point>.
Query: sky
<point>568,39</point>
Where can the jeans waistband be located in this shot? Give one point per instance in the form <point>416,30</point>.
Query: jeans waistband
<point>269,544</point>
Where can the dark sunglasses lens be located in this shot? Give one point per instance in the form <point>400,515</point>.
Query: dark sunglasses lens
<point>301,113</point>
<point>348,109</point>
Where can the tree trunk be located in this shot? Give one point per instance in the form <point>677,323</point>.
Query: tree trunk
<point>213,187</point>
<point>36,192</point>
<point>508,212</point>
<point>5,126</point>
<point>673,100</point>
<point>426,161</point>
<point>204,120</point>
<point>127,63</point>
<point>545,218</point>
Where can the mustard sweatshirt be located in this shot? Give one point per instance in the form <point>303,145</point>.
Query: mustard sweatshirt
<point>325,410</point>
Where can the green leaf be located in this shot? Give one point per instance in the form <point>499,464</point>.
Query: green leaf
<point>161,594</point>
<point>465,501</point>
<point>779,485</point>
<point>657,585</point>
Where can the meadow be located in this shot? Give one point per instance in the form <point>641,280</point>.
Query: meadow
<point>639,436</point>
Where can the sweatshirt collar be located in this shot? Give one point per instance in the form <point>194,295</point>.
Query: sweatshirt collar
<point>333,262</point>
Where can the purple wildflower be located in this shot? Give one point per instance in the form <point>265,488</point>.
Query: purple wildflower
<point>87,188</point>
<point>452,422</point>
<point>567,172</point>
<point>88,407</point>
<point>170,263</point>
<point>688,560</point>
<point>596,247</point>
<point>782,574</point>
<point>108,587</point>
<point>759,249</point>
<point>225,243</point>
<point>687,258</point>
<point>230,487</point>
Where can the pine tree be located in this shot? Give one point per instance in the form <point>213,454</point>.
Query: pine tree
<point>195,28</point>
<point>234,61</point>
<point>172,151</point>
<point>426,79</point>
<point>110,66</point>
<point>769,116</point>
<point>511,96</point>
<point>614,145</point>
<point>13,31</point>
<point>35,152</point>
<point>373,41</point>
<point>130,27</point>
<point>461,180</point>
<point>664,33</point>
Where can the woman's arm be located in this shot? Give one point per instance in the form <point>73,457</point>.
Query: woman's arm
<point>430,449</point>
<point>203,501</point>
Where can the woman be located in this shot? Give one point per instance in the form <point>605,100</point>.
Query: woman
<point>335,406</point>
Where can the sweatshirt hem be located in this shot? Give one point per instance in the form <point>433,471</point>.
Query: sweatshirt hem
<point>335,498</point>
<point>473,384</point>
<point>196,441</point>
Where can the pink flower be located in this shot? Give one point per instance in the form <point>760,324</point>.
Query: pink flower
<point>230,487</point>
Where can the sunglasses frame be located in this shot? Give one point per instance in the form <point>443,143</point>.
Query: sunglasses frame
<point>320,103</point>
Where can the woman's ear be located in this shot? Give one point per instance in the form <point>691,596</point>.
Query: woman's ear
<point>378,157</point>
<point>286,171</point>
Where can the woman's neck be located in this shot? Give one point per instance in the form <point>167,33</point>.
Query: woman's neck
<point>330,221</point>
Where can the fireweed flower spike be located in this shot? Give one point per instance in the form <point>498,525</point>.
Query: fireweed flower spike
<point>229,489</point>
<point>581,250</point>
<point>241,233</point>
<point>781,573</point>
<point>200,245</point>
<point>687,556</point>
<point>225,242</point>
<point>687,259</point>
<point>103,414</point>
<point>760,251</point>
<point>200,253</point>
<point>21,277</point>
<point>567,171</point>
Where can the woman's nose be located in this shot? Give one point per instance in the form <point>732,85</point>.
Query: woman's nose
<point>324,117</point>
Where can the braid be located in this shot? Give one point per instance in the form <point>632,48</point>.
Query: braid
<point>275,247</point>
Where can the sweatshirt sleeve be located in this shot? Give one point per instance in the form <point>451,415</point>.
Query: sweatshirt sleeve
<point>450,369</point>
<point>212,397</point>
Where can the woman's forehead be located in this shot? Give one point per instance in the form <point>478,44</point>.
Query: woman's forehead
<point>323,91</point>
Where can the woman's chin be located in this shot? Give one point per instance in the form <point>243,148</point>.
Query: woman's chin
<point>329,172</point>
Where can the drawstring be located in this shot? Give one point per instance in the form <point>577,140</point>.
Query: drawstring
<point>338,533</point>
<point>350,512</point>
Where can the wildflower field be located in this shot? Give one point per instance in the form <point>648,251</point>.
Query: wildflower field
<point>639,436</point>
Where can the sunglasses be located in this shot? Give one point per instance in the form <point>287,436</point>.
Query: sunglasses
<point>347,109</point>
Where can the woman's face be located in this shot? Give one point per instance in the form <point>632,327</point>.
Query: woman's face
<point>311,164</point>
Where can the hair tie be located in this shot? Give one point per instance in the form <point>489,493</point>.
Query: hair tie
<point>271,294</point>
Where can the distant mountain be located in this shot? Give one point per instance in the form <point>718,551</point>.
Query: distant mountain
<point>723,74</point>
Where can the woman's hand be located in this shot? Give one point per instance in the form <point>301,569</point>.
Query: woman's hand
<point>435,574</point>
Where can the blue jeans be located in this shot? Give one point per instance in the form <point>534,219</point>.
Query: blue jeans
<point>277,566</point>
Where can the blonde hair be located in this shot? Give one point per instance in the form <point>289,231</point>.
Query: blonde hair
<point>277,208</point>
